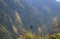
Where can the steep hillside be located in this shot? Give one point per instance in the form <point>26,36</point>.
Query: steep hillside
<point>48,9</point>
<point>10,21</point>
<point>16,14</point>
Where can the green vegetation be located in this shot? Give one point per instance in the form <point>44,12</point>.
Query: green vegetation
<point>54,36</point>
<point>5,32</point>
<point>29,35</point>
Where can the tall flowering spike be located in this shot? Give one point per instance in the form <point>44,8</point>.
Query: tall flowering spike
<point>39,29</point>
<point>18,19</point>
<point>15,29</point>
<point>56,21</point>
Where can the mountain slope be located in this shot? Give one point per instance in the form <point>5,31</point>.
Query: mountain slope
<point>15,14</point>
